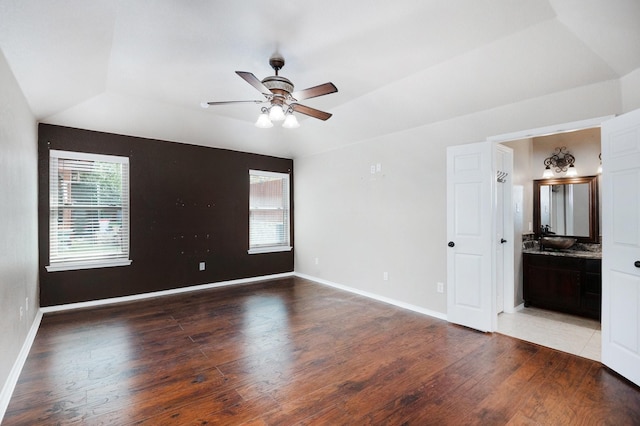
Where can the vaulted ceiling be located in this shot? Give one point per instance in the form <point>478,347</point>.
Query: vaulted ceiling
<point>142,67</point>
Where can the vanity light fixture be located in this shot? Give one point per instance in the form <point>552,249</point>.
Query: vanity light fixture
<point>561,161</point>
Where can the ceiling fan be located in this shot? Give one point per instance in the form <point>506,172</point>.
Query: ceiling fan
<point>281,99</point>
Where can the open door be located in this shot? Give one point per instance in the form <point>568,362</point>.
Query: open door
<point>470,228</point>
<point>621,245</point>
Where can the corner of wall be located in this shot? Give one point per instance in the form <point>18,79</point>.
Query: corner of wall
<point>14,374</point>
<point>630,91</point>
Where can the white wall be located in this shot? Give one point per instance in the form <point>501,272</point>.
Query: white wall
<point>359,225</point>
<point>630,87</point>
<point>584,145</point>
<point>18,222</point>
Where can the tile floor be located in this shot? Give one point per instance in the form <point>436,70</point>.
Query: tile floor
<point>567,333</point>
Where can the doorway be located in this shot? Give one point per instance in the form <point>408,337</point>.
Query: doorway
<point>571,334</point>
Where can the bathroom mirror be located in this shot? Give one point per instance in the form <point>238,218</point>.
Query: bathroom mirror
<point>567,207</point>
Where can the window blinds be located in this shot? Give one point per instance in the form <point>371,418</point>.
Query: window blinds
<point>268,209</point>
<point>89,208</point>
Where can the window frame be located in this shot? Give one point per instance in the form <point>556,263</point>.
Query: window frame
<point>72,263</point>
<point>273,248</point>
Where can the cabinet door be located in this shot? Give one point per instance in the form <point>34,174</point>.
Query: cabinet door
<point>551,287</point>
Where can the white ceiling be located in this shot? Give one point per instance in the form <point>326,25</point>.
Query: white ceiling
<point>142,67</point>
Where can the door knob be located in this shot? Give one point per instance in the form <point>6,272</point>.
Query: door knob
<point>636,263</point>
<point>451,244</point>
<point>502,241</point>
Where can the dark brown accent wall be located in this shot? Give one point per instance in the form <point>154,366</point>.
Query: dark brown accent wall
<point>189,204</point>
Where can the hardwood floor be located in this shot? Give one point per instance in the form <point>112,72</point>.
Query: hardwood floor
<point>294,352</point>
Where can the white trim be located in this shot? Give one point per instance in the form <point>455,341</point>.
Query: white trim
<point>73,266</point>
<point>269,249</point>
<point>76,155</point>
<point>114,300</point>
<point>14,374</point>
<point>548,130</point>
<point>518,308</point>
<point>377,297</point>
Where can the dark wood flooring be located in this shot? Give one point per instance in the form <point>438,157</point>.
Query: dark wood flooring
<point>290,352</point>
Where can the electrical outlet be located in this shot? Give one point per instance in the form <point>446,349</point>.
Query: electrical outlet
<point>373,169</point>
<point>440,287</point>
<point>317,261</point>
<point>21,313</point>
<point>385,276</point>
<point>202,266</point>
<point>26,304</point>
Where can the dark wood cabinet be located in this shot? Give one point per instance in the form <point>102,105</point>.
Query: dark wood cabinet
<point>563,283</point>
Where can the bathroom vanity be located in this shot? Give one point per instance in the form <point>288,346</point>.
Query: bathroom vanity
<point>566,281</point>
<point>565,277</point>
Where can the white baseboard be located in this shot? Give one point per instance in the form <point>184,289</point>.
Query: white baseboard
<point>14,374</point>
<point>377,297</point>
<point>143,296</point>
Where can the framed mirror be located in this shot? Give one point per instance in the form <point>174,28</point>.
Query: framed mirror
<point>567,207</point>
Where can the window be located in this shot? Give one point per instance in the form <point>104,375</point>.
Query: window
<point>88,210</point>
<point>269,221</point>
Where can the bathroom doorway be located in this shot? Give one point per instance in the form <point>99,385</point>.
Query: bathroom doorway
<point>580,336</point>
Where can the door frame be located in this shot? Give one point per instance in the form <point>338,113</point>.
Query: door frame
<point>511,305</point>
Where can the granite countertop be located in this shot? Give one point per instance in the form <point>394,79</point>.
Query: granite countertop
<point>565,253</point>
<point>584,251</point>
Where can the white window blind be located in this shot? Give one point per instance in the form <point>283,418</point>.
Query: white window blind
<point>269,218</point>
<point>89,210</point>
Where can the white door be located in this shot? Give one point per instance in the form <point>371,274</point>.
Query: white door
<point>470,227</point>
<point>621,245</point>
<point>504,227</point>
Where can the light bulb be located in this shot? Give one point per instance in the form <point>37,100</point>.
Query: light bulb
<point>276,113</point>
<point>263,121</point>
<point>291,122</point>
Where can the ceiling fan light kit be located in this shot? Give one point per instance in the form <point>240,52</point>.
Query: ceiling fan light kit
<point>290,122</point>
<point>282,100</point>
<point>263,120</point>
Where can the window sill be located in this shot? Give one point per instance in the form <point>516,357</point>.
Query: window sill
<point>72,266</point>
<point>272,249</point>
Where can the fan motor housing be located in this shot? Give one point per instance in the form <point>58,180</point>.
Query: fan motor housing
<point>276,83</point>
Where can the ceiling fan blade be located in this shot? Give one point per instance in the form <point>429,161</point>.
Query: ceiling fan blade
<point>253,80</point>
<point>207,104</point>
<point>312,92</point>
<point>311,112</point>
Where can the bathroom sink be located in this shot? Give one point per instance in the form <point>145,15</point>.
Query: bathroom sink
<point>557,242</point>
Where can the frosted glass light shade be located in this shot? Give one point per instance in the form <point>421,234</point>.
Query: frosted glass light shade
<point>548,173</point>
<point>276,113</point>
<point>291,122</point>
<point>572,172</point>
<point>263,121</point>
